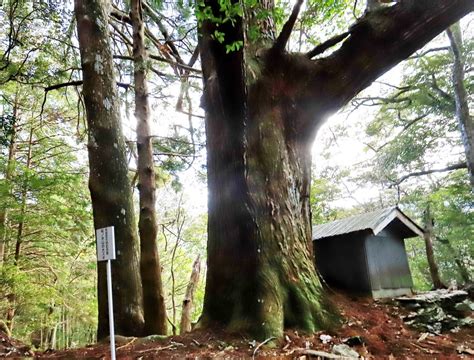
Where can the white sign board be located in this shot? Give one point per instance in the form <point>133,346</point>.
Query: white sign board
<point>106,252</point>
<point>105,244</point>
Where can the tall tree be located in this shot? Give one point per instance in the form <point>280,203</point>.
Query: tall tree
<point>428,236</point>
<point>8,174</point>
<point>466,124</point>
<point>153,297</point>
<point>109,185</point>
<point>263,107</point>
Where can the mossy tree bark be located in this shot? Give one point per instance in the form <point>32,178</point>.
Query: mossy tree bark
<point>153,297</point>
<point>263,108</point>
<point>109,185</point>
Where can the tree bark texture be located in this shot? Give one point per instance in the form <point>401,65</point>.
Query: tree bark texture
<point>466,124</point>
<point>428,236</point>
<point>109,185</point>
<point>150,269</point>
<point>263,108</point>
<point>188,302</point>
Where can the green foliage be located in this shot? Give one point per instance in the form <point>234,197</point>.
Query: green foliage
<point>323,192</point>
<point>181,240</point>
<point>173,155</point>
<point>53,270</point>
<point>414,129</point>
<point>236,45</point>
<point>418,264</point>
<point>229,11</point>
<point>50,284</point>
<point>7,123</point>
<point>453,212</point>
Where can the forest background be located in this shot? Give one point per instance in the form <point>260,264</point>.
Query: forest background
<point>397,143</point>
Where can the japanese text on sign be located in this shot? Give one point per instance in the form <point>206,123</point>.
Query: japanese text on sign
<point>105,243</point>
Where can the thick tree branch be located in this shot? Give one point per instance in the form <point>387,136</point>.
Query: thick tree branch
<point>379,41</point>
<point>458,166</point>
<point>59,86</point>
<point>284,36</point>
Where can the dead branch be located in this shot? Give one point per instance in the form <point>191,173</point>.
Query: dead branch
<point>155,17</point>
<point>458,166</point>
<point>260,345</point>
<point>327,44</point>
<point>419,55</point>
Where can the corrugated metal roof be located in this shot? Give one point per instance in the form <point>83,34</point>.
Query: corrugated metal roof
<point>375,221</point>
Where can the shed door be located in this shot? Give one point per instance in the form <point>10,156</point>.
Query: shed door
<point>388,266</point>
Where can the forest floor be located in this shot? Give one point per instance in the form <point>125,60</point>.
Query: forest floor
<point>374,329</point>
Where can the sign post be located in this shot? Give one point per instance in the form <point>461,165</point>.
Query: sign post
<point>106,252</point>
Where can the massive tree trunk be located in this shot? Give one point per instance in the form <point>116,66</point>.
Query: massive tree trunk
<point>263,108</point>
<point>150,269</point>
<point>109,185</point>
<point>428,236</point>
<point>466,124</point>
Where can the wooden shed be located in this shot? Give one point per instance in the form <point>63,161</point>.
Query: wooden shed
<point>366,253</point>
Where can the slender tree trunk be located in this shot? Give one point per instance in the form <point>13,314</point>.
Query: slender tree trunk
<point>8,177</point>
<point>428,237</point>
<point>263,108</point>
<point>9,173</point>
<point>465,121</point>
<point>153,297</point>
<point>11,311</point>
<point>109,184</point>
<point>24,192</point>
<point>188,302</point>
<point>52,340</point>
<point>173,277</point>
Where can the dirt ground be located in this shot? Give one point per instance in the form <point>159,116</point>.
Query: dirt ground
<point>374,329</point>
